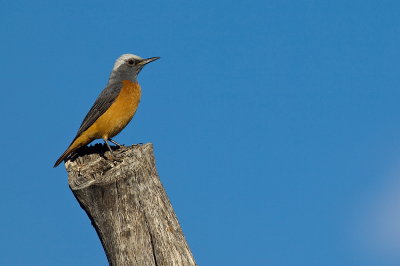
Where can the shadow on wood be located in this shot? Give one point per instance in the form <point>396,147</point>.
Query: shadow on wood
<point>128,206</point>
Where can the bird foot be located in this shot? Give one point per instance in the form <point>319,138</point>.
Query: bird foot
<point>111,157</point>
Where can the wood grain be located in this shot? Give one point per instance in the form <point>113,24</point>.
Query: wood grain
<point>128,206</point>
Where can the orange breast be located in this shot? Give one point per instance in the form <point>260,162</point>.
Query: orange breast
<point>118,115</point>
<point>120,112</point>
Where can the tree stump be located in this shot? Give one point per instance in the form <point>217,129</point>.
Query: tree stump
<point>128,206</point>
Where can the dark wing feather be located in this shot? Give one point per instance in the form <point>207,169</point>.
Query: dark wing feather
<point>100,106</point>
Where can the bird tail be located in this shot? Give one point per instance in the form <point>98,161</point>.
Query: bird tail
<point>63,156</point>
<point>75,144</point>
<point>79,141</point>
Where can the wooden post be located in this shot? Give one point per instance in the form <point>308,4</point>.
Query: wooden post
<point>128,206</point>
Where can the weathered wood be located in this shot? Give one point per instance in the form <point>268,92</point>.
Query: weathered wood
<point>128,206</point>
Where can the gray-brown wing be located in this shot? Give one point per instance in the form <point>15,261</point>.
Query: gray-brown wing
<point>102,103</point>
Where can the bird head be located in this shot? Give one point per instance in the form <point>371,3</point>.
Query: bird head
<point>128,66</point>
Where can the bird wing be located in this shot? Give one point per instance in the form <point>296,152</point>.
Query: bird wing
<point>100,106</point>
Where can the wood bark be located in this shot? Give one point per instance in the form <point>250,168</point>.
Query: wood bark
<point>128,206</point>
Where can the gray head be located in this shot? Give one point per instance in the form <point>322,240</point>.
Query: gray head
<point>127,67</point>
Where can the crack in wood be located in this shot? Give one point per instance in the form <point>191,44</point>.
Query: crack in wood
<point>128,206</point>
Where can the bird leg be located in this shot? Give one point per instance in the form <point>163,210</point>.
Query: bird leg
<point>108,145</point>
<point>112,157</point>
<point>116,143</point>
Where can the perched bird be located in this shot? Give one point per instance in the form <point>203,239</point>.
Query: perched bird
<point>114,107</point>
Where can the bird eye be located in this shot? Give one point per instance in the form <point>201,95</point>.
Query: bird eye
<point>131,62</point>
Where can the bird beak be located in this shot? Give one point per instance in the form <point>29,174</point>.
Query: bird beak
<point>148,60</point>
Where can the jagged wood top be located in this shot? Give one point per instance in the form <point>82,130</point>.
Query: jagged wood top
<point>128,206</point>
<point>93,165</point>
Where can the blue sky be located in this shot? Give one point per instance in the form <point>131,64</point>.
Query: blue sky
<point>275,125</point>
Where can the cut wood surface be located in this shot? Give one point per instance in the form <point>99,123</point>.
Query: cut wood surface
<point>128,206</point>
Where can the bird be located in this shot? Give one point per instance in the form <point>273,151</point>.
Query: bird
<point>114,107</point>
